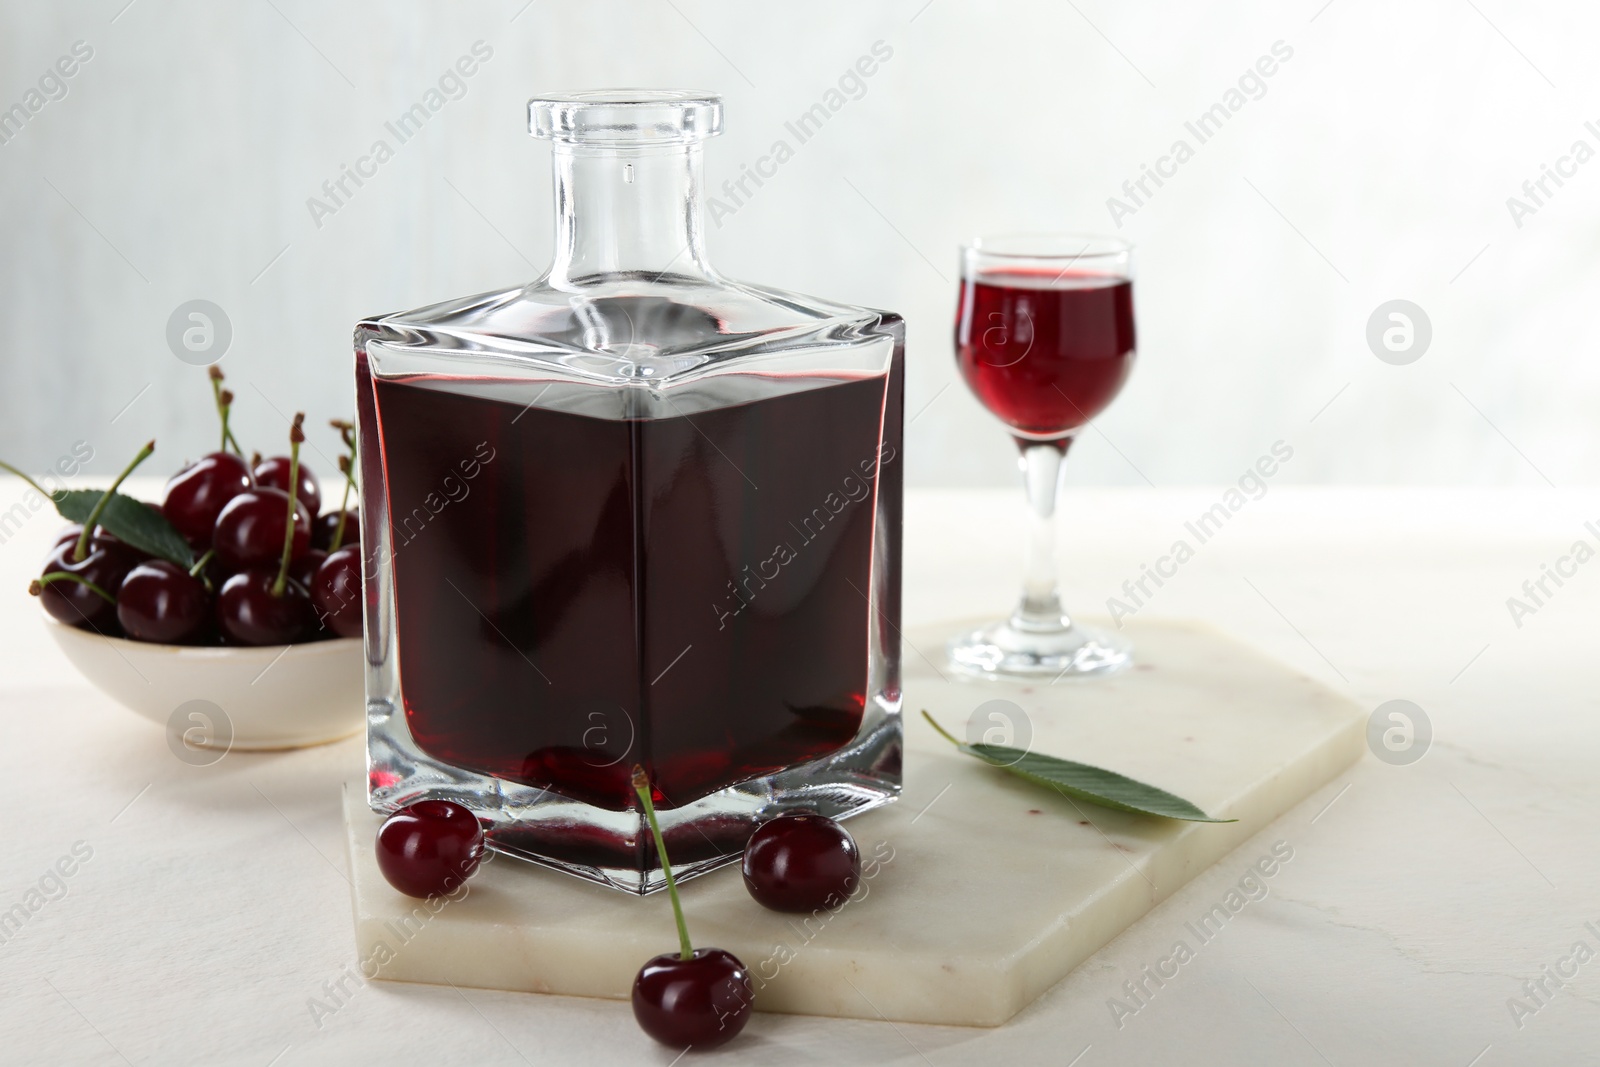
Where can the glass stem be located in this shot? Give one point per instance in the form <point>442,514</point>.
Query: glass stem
<point>1040,608</point>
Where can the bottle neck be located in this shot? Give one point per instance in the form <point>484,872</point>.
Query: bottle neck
<point>633,211</point>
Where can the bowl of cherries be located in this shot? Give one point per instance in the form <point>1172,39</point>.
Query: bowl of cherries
<point>233,591</point>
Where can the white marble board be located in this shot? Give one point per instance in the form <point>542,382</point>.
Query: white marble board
<point>987,890</point>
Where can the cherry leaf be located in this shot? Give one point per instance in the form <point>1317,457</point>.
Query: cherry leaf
<point>1082,781</point>
<point>129,520</point>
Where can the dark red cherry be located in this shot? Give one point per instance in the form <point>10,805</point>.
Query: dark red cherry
<point>106,563</point>
<point>336,591</point>
<point>216,572</point>
<point>273,473</point>
<point>801,863</point>
<point>196,495</point>
<point>249,613</point>
<point>304,569</point>
<point>428,848</point>
<point>69,536</point>
<point>701,1001</point>
<point>322,531</point>
<point>249,529</point>
<point>160,602</point>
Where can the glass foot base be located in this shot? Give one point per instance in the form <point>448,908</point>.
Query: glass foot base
<point>614,847</point>
<point>1004,651</point>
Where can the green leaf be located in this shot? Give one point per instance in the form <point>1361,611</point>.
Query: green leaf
<point>1081,781</point>
<point>131,520</point>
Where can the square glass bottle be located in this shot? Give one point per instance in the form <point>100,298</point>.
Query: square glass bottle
<point>632,512</point>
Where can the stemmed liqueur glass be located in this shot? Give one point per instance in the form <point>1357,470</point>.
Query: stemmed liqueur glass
<point>1045,339</point>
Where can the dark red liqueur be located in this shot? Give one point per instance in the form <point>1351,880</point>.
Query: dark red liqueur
<point>575,594</point>
<point>1045,352</point>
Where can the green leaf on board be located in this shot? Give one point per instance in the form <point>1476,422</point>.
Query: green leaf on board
<point>130,520</point>
<point>1095,785</point>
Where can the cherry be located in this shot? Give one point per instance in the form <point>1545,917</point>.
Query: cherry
<point>695,997</point>
<point>70,534</point>
<point>86,598</point>
<point>274,474</point>
<point>214,572</point>
<point>250,612</point>
<point>161,602</point>
<point>336,591</point>
<point>80,580</point>
<point>197,494</point>
<point>250,528</point>
<point>428,848</point>
<point>801,863</point>
<point>303,570</point>
<point>257,606</point>
<point>702,1001</point>
<point>322,532</point>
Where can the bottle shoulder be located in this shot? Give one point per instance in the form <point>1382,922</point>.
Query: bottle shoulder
<point>673,324</point>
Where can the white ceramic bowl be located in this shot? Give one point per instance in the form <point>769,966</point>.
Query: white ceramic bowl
<point>281,696</point>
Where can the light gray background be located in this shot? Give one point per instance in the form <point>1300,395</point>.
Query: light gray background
<point>1375,167</point>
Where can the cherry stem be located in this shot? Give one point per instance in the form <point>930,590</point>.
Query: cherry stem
<point>347,432</point>
<point>224,402</point>
<point>81,549</point>
<point>641,786</point>
<point>200,565</point>
<point>227,431</point>
<point>38,584</point>
<point>338,530</point>
<point>296,435</point>
<point>36,486</point>
<point>347,465</point>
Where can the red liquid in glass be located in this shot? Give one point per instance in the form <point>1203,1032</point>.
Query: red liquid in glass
<point>1045,352</point>
<point>602,592</point>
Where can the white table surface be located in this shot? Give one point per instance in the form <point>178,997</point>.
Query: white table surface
<point>1418,902</point>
